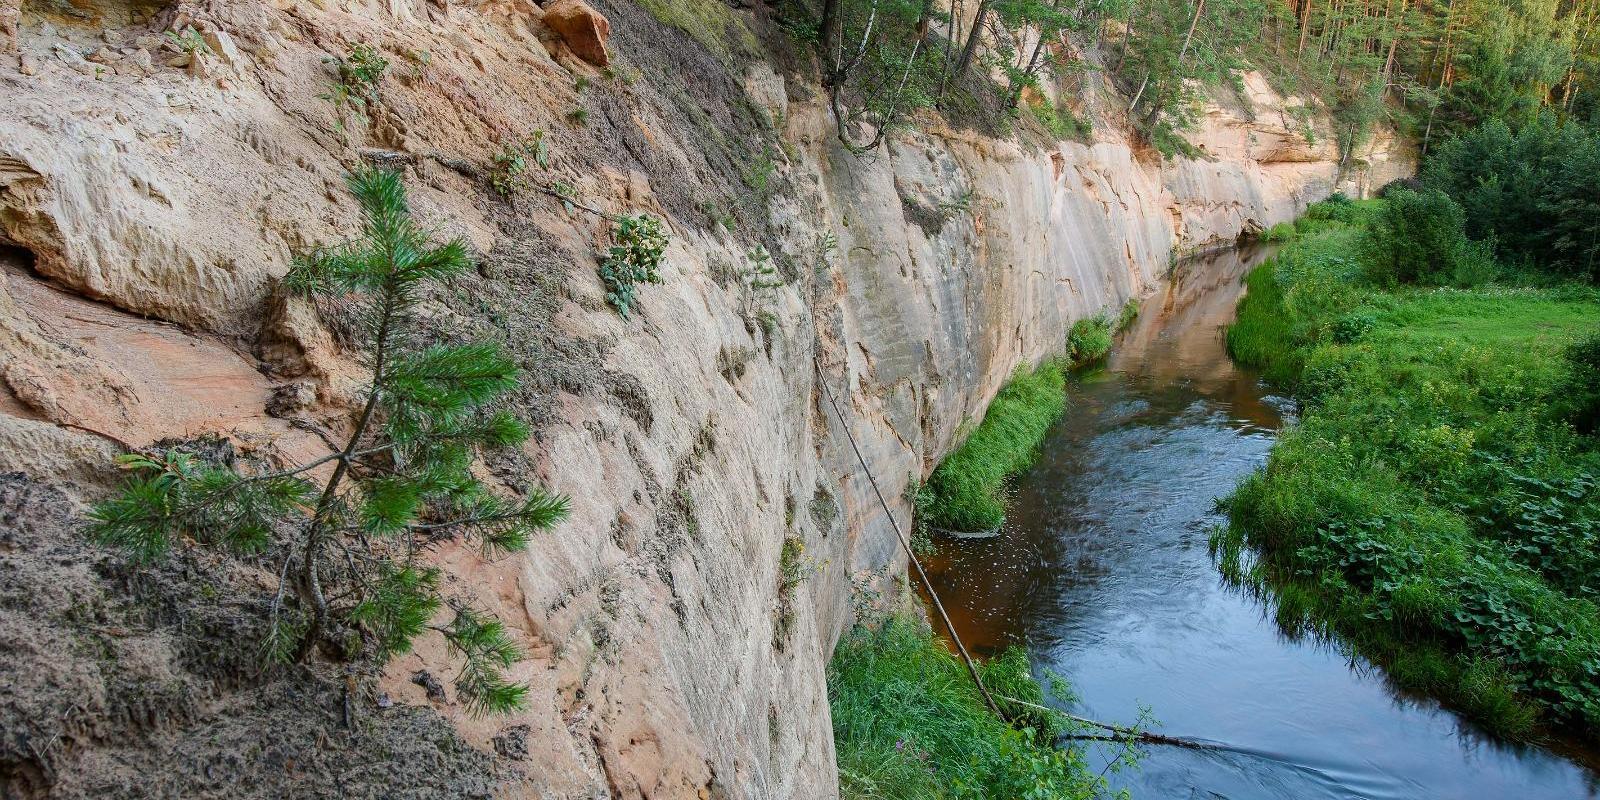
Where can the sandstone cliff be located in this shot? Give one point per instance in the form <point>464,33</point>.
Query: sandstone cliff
<point>151,192</point>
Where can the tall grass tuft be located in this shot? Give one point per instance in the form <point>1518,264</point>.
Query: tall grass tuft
<point>908,723</point>
<point>967,492</point>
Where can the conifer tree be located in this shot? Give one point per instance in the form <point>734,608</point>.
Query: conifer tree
<point>351,547</point>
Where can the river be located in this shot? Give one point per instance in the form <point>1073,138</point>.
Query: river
<point>1102,570</point>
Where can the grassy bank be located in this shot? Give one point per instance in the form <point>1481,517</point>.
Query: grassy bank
<point>967,491</point>
<point>1434,508</point>
<point>908,723</point>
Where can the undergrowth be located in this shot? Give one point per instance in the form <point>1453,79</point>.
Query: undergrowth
<point>967,491</point>
<point>908,723</point>
<point>1435,508</point>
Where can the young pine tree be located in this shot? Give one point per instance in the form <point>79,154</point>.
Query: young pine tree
<point>349,548</point>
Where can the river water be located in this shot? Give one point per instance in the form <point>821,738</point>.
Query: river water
<point>1103,572</point>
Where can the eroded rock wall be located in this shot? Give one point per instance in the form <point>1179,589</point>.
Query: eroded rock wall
<point>151,196</point>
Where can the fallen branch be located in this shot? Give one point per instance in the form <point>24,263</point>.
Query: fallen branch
<point>1123,732</point>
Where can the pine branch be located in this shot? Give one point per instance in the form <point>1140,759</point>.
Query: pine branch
<point>486,651</point>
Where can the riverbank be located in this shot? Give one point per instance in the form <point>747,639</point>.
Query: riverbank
<point>908,722</point>
<point>1432,510</point>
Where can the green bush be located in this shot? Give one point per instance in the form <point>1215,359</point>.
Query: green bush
<point>1089,339</point>
<point>1580,394</point>
<point>967,491</point>
<point>1532,192</point>
<point>908,723</point>
<point>640,243</point>
<point>1420,238</point>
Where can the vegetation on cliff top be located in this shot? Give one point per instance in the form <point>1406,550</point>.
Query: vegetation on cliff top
<point>1435,508</point>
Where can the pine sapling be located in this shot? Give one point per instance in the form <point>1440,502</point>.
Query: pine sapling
<point>348,551</point>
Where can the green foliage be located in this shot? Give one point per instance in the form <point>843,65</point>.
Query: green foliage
<point>1421,238</point>
<point>512,162</point>
<point>1281,232</point>
<point>1165,68</point>
<point>792,566</point>
<point>639,245</point>
<point>1531,193</point>
<point>966,491</point>
<point>578,116</point>
<point>188,41</point>
<point>1129,313</point>
<point>1060,121</point>
<point>1432,509</point>
<point>357,74</point>
<point>1580,392</point>
<point>908,723</point>
<point>1089,339</point>
<point>402,480</point>
<point>759,175</point>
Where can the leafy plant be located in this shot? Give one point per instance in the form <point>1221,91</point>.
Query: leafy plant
<point>349,543</point>
<point>511,163</point>
<point>635,257</point>
<point>1581,387</point>
<point>188,41</point>
<point>358,73</point>
<point>759,175</point>
<point>578,116</point>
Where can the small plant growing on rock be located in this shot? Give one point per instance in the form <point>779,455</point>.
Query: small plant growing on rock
<point>188,41</point>
<point>401,482</point>
<point>639,245</point>
<point>511,163</point>
<point>359,71</point>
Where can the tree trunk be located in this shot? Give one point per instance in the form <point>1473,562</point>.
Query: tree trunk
<point>971,47</point>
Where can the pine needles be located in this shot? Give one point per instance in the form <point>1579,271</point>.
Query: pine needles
<point>401,482</point>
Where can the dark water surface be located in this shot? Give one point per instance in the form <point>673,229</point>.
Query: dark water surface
<point>1103,572</point>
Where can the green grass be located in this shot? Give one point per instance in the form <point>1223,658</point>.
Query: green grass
<point>1090,338</point>
<point>1432,509</point>
<point>908,723</point>
<point>967,491</point>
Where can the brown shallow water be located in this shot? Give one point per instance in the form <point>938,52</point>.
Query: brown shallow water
<point>1102,571</point>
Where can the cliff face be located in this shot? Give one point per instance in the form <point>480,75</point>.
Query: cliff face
<point>150,197</point>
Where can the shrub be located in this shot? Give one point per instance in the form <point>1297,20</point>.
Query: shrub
<point>1089,340</point>
<point>639,246</point>
<point>1581,388</point>
<point>357,74</point>
<point>1416,238</point>
<point>966,491</point>
<point>1531,192</point>
<point>1336,208</point>
<point>401,481</point>
<point>1409,184</point>
<point>511,163</point>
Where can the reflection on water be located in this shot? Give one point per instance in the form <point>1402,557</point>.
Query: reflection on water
<point>1103,572</point>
